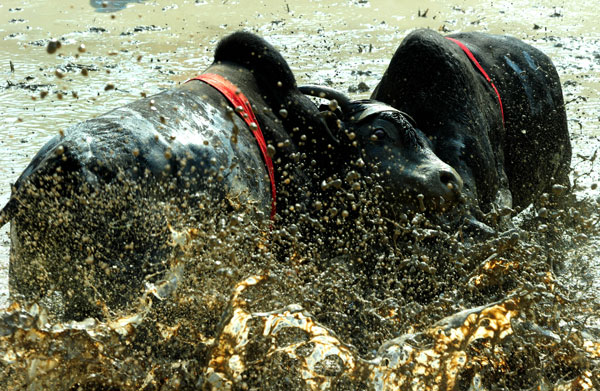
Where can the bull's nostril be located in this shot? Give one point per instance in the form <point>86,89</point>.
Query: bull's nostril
<point>448,179</point>
<point>451,180</point>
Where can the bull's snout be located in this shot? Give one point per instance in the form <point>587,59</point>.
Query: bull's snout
<point>449,187</point>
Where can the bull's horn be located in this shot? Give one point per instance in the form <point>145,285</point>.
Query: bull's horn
<point>328,93</point>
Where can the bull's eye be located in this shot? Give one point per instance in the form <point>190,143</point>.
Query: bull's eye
<point>378,134</point>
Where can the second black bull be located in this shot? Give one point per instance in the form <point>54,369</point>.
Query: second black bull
<point>489,106</point>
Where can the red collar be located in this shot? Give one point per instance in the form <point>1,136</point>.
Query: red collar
<point>480,68</point>
<point>241,104</point>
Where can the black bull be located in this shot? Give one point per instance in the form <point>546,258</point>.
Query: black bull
<point>432,79</point>
<point>90,214</point>
<point>507,137</point>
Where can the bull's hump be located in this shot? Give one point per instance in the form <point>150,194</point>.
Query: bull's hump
<point>257,55</point>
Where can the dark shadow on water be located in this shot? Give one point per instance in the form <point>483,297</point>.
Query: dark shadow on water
<point>111,5</point>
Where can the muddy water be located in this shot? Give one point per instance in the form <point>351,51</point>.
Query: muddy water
<point>146,46</point>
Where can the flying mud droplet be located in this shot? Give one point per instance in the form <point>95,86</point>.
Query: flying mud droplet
<point>558,189</point>
<point>352,176</point>
<point>81,48</point>
<point>109,86</point>
<point>84,71</point>
<point>43,94</point>
<point>333,105</point>
<point>293,230</point>
<point>283,113</point>
<point>421,197</point>
<point>271,150</point>
<point>53,46</point>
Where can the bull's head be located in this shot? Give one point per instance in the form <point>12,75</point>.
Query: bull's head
<point>392,151</point>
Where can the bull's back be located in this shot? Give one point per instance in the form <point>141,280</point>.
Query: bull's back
<point>96,206</point>
<point>536,144</point>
